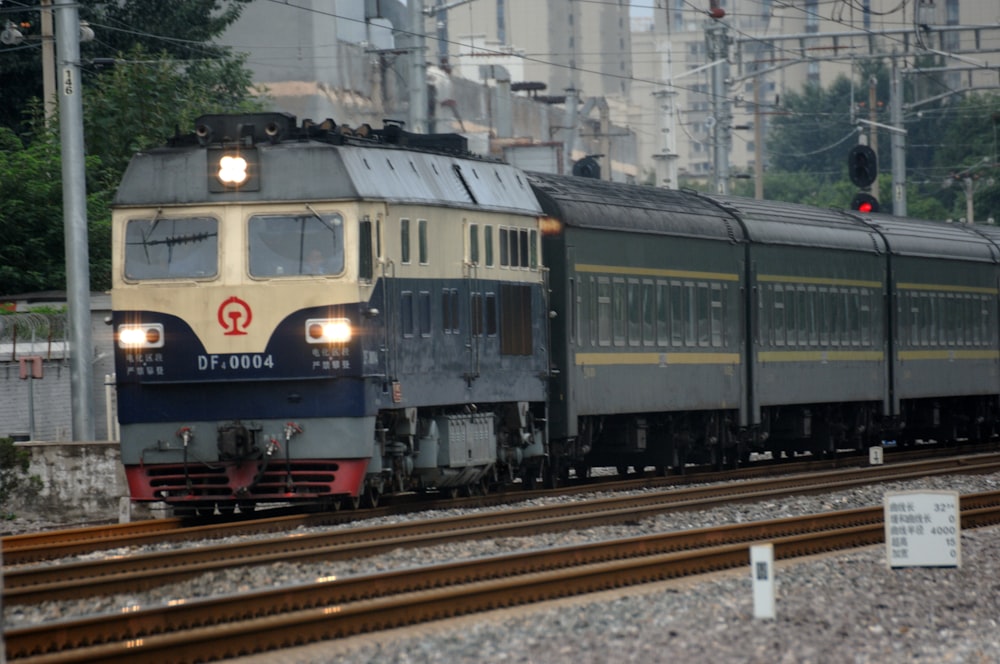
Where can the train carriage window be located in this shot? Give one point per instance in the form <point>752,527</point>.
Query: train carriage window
<point>791,331</point>
<point>662,313</point>
<point>801,313</point>
<point>914,306</point>
<point>634,313</point>
<point>619,306</point>
<point>984,321</point>
<point>812,329</point>
<point>648,313</point>
<point>853,321</point>
<point>823,315</point>
<point>491,314</point>
<point>959,311</point>
<point>676,314</point>
<point>424,305</point>
<point>939,319</point>
<point>504,248</point>
<point>422,240</point>
<point>488,244</point>
<point>691,311</point>
<point>449,311</point>
<point>523,247</point>
<point>404,241</point>
<point>925,319</point>
<point>574,312</point>
<point>172,248</point>
<point>764,329</point>
<point>365,263</point>
<point>516,320</point>
<point>406,313</point>
<point>717,320</point>
<point>603,311</point>
<point>704,314</point>
<point>779,315</point>
<point>378,237</point>
<point>533,244</point>
<point>865,314</point>
<point>476,314</point>
<point>299,244</point>
<point>473,254</point>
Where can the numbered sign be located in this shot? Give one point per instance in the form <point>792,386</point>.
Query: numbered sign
<point>923,529</point>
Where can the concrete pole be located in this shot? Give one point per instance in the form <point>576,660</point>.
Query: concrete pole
<point>758,143</point>
<point>717,40</point>
<point>75,218</point>
<point>569,133</point>
<point>418,70</point>
<point>48,62</point>
<point>898,144</point>
<point>873,117</point>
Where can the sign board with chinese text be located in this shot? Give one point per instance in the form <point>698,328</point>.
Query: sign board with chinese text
<point>923,529</point>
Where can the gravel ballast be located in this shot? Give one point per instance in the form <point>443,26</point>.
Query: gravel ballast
<point>843,608</point>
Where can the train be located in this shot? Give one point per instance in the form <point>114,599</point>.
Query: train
<point>314,313</point>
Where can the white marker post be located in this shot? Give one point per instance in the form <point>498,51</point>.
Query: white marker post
<point>762,568</point>
<point>923,529</point>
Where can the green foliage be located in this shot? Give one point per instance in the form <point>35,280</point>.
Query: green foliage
<point>166,74</point>
<point>808,143</point>
<point>14,477</point>
<point>139,104</point>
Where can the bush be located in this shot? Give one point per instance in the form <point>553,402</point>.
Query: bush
<point>14,478</point>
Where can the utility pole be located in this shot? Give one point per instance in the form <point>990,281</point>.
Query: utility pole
<point>418,69</point>
<point>898,139</point>
<point>75,218</point>
<point>873,118</point>
<point>717,44</point>
<point>758,143</point>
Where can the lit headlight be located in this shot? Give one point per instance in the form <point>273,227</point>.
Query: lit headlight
<point>328,330</point>
<point>141,336</point>
<point>232,170</point>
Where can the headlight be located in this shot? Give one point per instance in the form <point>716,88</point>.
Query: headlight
<point>232,170</point>
<point>141,336</point>
<point>328,330</point>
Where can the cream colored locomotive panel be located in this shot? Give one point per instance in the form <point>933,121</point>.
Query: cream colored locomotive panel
<point>203,303</point>
<point>447,243</point>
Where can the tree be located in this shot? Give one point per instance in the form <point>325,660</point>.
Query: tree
<point>182,29</point>
<point>32,256</point>
<point>136,104</point>
<point>144,99</point>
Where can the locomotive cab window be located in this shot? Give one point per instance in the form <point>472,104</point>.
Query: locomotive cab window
<point>159,248</point>
<point>293,245</point>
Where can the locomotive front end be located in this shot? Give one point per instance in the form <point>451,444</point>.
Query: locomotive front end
<point>245,339</point>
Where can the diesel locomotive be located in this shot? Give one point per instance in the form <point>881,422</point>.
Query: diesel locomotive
<point>309,312</point>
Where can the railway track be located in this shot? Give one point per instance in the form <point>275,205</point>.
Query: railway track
<point>121,573</point>
<point>50,545</point>
<point>334,608</point>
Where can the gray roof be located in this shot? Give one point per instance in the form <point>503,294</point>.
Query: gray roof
<point>930,239</point>
<point>313,170</point>
<point>589,203</point>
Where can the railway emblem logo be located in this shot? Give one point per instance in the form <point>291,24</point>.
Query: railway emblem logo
<point>235,316</point>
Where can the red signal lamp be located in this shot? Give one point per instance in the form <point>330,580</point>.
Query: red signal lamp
<point>865,203</point>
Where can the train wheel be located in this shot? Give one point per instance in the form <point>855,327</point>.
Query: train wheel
<point>372,496</point>
<point>623,470</point>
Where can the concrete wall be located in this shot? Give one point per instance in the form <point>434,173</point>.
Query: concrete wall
<point>51,395</point>
<point>81,481</point>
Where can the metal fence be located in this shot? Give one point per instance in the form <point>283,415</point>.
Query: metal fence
<point>34,334</point>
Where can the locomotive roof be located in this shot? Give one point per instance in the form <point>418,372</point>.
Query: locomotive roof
<point>309,170</point>
<point>778,222</point>
<point>929,239</point>
<point>589,203</point>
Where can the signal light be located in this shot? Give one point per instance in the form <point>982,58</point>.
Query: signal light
<point>862,165</point>
<point>864,203</point>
